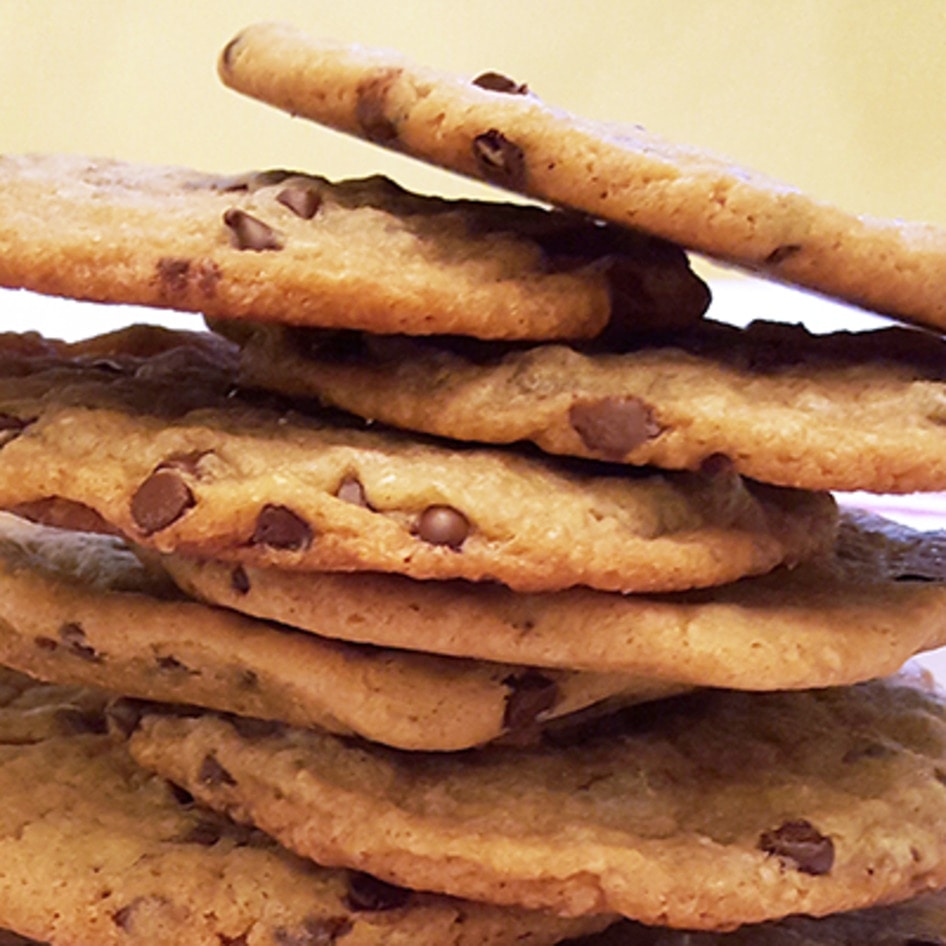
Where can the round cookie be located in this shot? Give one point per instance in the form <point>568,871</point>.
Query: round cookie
<point>877,600</point>
<point>842,412</point>
<point>495,129</point>
<point>81,609</point>
<point>710,812</point>
<point>95,850</point>
<point>198,468</point>
<point>298,249</point>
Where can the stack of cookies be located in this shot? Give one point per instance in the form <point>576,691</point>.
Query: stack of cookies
<point>467,583</point>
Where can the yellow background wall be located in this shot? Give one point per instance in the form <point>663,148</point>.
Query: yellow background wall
<point>844,98</point>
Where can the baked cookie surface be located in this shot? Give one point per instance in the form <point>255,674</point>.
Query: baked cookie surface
<point>493,128</point>
<point>847,411</point>
<point>860,612</point>
<point>299,249</point>
<point>80,609</point>
<point>185,463</point>
<point>708,812</point>
<point>96,850</point>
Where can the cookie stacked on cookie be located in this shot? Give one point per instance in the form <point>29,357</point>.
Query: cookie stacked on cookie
<point>467,560</point>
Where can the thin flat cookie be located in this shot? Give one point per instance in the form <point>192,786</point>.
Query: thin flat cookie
<point>706,813</point>
<point>95,850</point>
<point>858,613</point>
<point>298,249</point>
<point>81,609</point>
<point>495,129</point>
<point>182,462</point>
<point>847,411</point>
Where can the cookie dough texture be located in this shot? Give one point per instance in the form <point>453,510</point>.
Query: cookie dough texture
<point>843,411</point>
<point>722,809</point>
<point>495,129</point>
<point>860,612</point>
<point>81,609</point>
<point>195,467</point>
<point>95,850</point>
<point>299,249</point>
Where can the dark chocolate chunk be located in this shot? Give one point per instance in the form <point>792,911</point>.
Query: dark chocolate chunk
<point>499,160</point>
<point>160,500</point>
<point>304,201</point>
<point>280,528</point>
<point>250,233</point>
<point>613,426</point>
<point>212,773</point>
<point>530,694</point>
<point>239,580</point>
<point>367,893</point>
<point>371,108</point>
<point>497,82</point>
<point>315,931</point>
<point>802,845</point>
<point>443,525</point>
<point>74,640</point>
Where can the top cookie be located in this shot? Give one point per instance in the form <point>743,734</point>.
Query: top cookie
<point>299,249</point>
<point>494,129</point>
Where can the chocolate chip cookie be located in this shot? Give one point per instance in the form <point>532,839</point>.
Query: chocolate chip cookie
<point>496,129</point>
<point>298,249</point>
<point>184,462</point>
<point>846,411</point>
<point>858,613</point>
<point>709,812</point>
<point>81,609</point>
<point>95,850</point>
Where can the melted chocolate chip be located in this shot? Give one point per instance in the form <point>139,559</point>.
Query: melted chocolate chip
<point>371,108</point>
<point>497,82</point>
<point>239,580</point>
<point>213,774</point>
<point>443,525</point>
<point>367,893</point>
<point>302,200</point>
<point>315,931</point>
<point>280,528</point>
<point>613,426</point>
<point>350,490</point>
<point>250,233</point>
<point>801,844</point>
<point>160,500</point>
<point>499,160</point>
<point>74,640</point>
<point>530,695</point>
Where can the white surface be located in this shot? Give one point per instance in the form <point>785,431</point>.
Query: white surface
<point>734,300</point>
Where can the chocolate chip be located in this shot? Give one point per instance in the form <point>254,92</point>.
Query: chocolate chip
<point>371,107</point>
<point>46,643</point>
<point>302,200</point>
<point>499,160</point>
<point>280,528</point>
<point>497,82</point>
<point>250,233</point>
<point>530,694</point>
<point>802,844</point>
<point>443,525</point>
<point>782,253</point>
<point>613,426</point>
<point>160,500</point>
<point>350,490</point>
<point>239,580</point>
<point>367,893</point>
<point>74,639</point>
<point>122,917</point>
<point>212,773</point>
<point>315,931</point>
